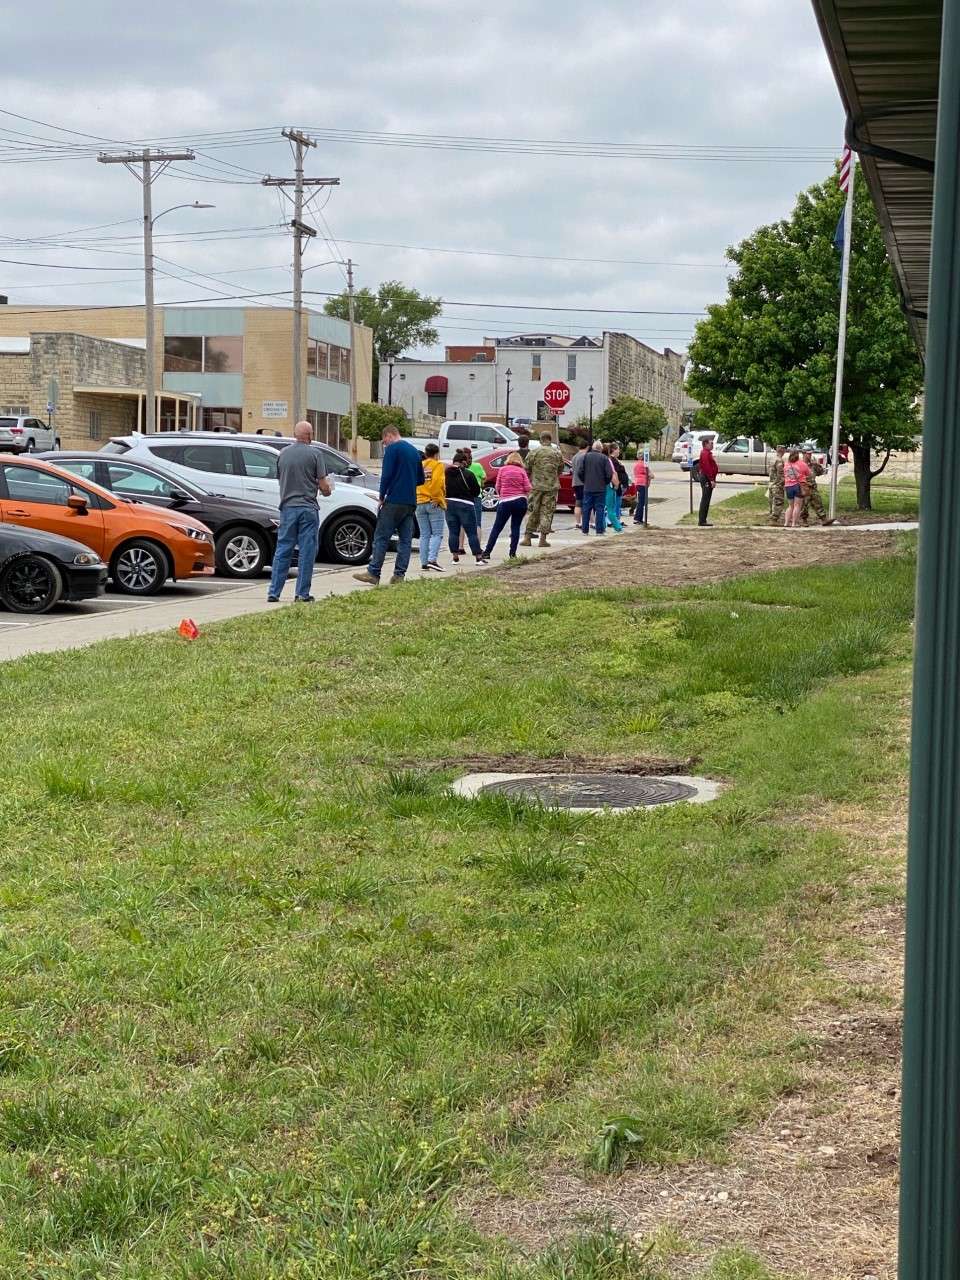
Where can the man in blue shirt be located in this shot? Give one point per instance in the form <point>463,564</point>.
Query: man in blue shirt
<point>402,472</point>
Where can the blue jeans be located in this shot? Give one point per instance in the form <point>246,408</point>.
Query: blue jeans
<point>594,502</point>
<point>300,530</point>
<point>394,518</point>
<point>461,515</point>
<point>430,522</point>
<point>478,503</point>
<point>514,509</point>
<point>640,511</point>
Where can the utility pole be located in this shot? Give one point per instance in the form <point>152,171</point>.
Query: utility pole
<point>299,142</point>
<point>146,166</point>
<point>353,363</point>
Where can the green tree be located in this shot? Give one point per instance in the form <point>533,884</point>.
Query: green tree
<point>763,362</point>
<point>373,419</point>
<point>630,421</point>
<point>400,318</point>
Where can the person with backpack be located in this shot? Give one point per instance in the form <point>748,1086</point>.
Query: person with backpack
<point>463,492</point>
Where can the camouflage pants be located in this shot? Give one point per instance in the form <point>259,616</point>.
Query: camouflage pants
<point>542,503</point>
<point>778,500</point>
<point>811,498</point>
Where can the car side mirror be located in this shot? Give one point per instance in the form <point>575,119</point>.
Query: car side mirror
<point>178,495</point>
<point>354,471</point>
<point>77,504</point>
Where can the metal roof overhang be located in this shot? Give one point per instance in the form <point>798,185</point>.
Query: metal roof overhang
<point>886,60</point>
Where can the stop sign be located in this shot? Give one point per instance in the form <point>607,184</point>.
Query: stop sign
<point>556,396</point>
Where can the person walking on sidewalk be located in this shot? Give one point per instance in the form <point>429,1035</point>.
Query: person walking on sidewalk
<point>811,494</point>
<point>576,479</point>
<point>775,487</point>
<point>302,476</point>
<point>463,490</point>
<point>402,473</point>
<point>598,473</point>
<point>708,471</point>
<point>614,499</point>
<point>513,485</point>
<point>431,507</point>
<point>642,475</point>
<point>543,467</point>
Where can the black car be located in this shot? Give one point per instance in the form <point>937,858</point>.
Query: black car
<point>245,533</point>
<point>39,569</point>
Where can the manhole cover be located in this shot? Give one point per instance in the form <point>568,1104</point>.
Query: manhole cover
<point>591,791</point>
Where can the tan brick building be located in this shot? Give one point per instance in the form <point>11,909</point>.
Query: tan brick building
<point>221,366</point>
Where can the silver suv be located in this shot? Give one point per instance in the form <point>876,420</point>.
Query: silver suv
<point>26,435</point>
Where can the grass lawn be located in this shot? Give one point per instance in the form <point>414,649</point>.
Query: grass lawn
<point>892,500</point>
<point>272,1000</point>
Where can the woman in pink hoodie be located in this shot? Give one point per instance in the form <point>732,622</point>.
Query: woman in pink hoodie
<point>513,485</point>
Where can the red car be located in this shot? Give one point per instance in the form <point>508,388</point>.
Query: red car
<point>494,461</point>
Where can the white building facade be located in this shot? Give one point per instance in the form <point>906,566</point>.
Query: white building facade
<point>473,381</point>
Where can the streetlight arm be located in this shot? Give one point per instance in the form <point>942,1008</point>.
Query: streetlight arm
<point>195,205</point>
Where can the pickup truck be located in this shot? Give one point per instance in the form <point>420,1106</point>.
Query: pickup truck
<point>481,437</point>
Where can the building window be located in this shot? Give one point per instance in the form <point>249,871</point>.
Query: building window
<point>14,410</point>
<point>535,370</point>
<point>96,424</point>
<point>328,429</point>
<point>571,368</point>
<point>222,419</point>
<point>437,404</point>
<point>203,355</point>
<point>327,360</point>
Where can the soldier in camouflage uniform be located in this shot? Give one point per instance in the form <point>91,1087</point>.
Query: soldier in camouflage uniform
<point>543,467</point>
<point>811,495</point>
<point>775,488</point>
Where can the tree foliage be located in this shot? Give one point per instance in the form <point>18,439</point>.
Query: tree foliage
<point>400,318</point>
<point>763,362</point>
<point>373,419</point>
<point>630,421</point>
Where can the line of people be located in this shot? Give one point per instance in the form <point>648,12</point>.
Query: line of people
<point>600,482</point>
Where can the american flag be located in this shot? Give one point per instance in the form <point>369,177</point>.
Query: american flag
<point>846,164</point>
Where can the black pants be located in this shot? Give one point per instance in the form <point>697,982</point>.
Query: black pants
<point>706,493</point>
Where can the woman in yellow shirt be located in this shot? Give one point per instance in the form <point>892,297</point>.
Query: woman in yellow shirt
<point>431,505</point>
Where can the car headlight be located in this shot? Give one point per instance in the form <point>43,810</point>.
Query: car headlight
<point>86,558</point>
<point>198,535</point>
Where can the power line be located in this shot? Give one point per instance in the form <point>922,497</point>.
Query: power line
<point>538,257</point>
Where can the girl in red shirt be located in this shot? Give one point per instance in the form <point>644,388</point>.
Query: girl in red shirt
<point>796,473</point>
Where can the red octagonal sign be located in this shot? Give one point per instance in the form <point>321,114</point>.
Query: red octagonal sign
<point>556,395</point>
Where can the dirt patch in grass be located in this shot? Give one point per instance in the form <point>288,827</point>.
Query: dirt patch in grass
<point>641,766</point>
<point>684,557</point>
<point>813,1190</point>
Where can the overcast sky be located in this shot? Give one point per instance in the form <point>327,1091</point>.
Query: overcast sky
<point>745,73</point>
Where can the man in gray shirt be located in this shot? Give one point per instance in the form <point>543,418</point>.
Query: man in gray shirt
<point>302,476</point>
<point>597,473</point>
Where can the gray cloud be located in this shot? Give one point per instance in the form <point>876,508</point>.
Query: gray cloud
<point>747,73</point>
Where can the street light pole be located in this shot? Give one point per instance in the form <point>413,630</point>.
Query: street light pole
<point>353,363</point>
<point>146,175</point>
<point>509,375</point>
<point>590,393</point>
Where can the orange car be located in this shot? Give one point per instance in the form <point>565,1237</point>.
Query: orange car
<point>142,545</point>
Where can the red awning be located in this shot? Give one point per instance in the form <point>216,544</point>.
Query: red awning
<point>436,386</point>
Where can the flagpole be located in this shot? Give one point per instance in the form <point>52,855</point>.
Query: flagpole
<point>841,338</point>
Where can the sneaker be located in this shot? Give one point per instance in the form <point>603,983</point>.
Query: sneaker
<point>456,557</point>
<point>394,580</point>
<point>437,568</point>
<point>303,599</point>
<point>368,578</point>
<point>482,560</point>
<point>273,599</point>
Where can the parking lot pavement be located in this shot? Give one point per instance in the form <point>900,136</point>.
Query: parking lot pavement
<point>207,600</point>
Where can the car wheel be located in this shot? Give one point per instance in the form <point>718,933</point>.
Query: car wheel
<point>489,498</point>
<point>30,584</point>
<point>348,540</point>
<point>139,569</point>
<point>241,553</point>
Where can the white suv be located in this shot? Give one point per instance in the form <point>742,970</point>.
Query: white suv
<point>26,435</point>
<point>246,470</point>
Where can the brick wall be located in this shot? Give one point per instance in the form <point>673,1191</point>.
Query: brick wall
<point>76,360</point>
<point>637,370</point>
<point>15,387</point>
